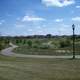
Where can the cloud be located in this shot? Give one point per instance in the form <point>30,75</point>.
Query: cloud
<point>76,19</point>
<point>58,3</point>
<point>77,6</point>
<point>32,18</point>
<point>59,20</point>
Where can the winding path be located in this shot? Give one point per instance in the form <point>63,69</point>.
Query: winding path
<point>8,52</point>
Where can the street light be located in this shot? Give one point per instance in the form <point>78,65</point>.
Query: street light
<point>73,27</point>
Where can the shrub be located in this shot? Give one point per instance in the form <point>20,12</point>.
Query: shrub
<point>55,44</point>
<point>17,41</point>
<point>37,42</point>
<point>24,41</point>
<point>1,47</point>
<point>29,43</point>
<point>44,46</point>
<point>64,43</point>
<point>35,46</point>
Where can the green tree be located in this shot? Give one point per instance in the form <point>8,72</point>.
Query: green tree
<point>65,43</point>
<point>1,47</point>
<point>49,36</point>
<point>17,41</point>
<point>24,41</point>
<point>29,43</point>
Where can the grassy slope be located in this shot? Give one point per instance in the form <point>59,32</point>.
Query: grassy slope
<point>36,51</point>
<point>23,49</point>
<point>33,51</point>
<point>39,69</point>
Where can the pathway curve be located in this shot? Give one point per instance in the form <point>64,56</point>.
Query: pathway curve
<point>8,52</point>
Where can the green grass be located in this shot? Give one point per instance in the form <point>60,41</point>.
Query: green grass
<point>3,45</point>
<point>41,47</point>
<point>1,78</point>
<point>53,48</point>
<point>36,51</point>
<point>39,69</point>
<point>6,58</point>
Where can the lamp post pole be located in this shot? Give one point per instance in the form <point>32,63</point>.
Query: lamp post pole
<point>73,27</point>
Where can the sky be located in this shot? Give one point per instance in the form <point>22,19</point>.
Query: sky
<point>39,17</point>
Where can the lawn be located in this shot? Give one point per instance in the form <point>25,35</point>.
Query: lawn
<point>39,69</point>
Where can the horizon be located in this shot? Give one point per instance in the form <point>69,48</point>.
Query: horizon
<point>35,35</point>
<point>39,17</point>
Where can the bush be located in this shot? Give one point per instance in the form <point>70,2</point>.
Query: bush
<point>35,46</point>
<point>29,43</point>
<point>44,46</point>
<point>55,44</point>
<point>6,41</point>
<point>65,43</point>
<point>37,42</point>
<point>17,41</point>
<point>1,47</point>
<point>24,41</point>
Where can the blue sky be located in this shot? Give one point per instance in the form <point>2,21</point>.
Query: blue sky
<point>39,17</point>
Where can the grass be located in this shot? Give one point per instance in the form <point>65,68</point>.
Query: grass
<point>39,69</point>
<point>53,48</point>
<point>36,51</point>
<point>24,49</point>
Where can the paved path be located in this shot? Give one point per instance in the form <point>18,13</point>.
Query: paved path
<point>43,56</point>
<point>8,52</point>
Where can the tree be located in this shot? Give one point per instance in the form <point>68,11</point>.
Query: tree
<point>17,41</point>
<point>48,35</point>
<point>29,43</point>
<point>64,43</point>
<point>24,41</point>
<point>1,47</point>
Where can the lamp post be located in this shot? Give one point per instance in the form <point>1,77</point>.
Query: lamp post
<point>73,27</point>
